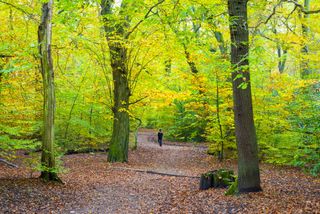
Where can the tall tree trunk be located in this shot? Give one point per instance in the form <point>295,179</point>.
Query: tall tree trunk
<point>248,163</point>
<point>115,34</point>
<point>44,39</point>
<point>220,156</point>
<point>305,69</point>
<point>118,151</point>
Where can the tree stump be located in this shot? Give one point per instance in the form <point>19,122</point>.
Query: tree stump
<point>217,179</point>
<point>206,181</point>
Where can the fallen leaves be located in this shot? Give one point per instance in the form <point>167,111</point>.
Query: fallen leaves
<point>93,186</point>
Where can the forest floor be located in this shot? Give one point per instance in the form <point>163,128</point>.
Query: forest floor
<point>94,186</point>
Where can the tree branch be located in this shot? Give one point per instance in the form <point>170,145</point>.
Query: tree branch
<point>5,56</point>
<point>297,5</point>
<point>30,15</point>
<point>138,100</point>
<point>273,12</point>
<point>145,17</point>
<point>303,10</point>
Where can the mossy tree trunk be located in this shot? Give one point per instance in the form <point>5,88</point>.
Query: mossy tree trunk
<point>116,37</point>
<point>44,39</point>
<point>118,151</point>
<point>248,163</point>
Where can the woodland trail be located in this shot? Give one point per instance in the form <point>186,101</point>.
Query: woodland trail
<point>94,186</point>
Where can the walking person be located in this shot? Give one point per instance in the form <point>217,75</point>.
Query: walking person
<point>160,136</point>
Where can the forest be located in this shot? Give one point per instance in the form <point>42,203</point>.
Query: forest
<point>85,85</point>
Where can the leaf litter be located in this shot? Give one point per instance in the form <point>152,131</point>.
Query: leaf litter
<point>92,185</point>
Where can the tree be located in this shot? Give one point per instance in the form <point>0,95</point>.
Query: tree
<point>248,163</point>
<point>44,41</point>
<point>115,34</point>
<point>117,25</point>
<point>306,70</point>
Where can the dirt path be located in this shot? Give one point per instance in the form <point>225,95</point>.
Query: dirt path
<point>94,186</point>
<point>172,159</point>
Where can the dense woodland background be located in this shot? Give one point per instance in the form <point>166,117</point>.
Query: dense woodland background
<point>179,75</point>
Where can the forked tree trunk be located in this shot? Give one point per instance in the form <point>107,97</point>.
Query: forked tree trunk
<point>115,34</point>
<point>248,164</point>
<point>44,39</point>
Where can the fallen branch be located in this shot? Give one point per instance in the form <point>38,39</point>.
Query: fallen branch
<point>8,163</point>
<point>84,151</point>
<point>155,172</point>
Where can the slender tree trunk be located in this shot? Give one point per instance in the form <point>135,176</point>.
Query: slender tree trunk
<point>190,62</point>
<point>44,39</point>
<point>90,118</point>
<point>248,163</point>
<point>282,58</point>
<point>115,34</point>
<point>222,46</point>
<point>218,118</point>
<point>305,69</point>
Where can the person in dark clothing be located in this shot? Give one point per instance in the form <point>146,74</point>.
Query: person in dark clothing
<point>160,136</point>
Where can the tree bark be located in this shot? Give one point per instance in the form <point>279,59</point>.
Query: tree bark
<point>222,46</point>
<point>282,58</point>
<point>305,69</point>
<point>281,52</point>
<point>190,62</point>
<point>221,154</point>
<point>115,35</point>
<point>248,164</point>
<point>44,40</point>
